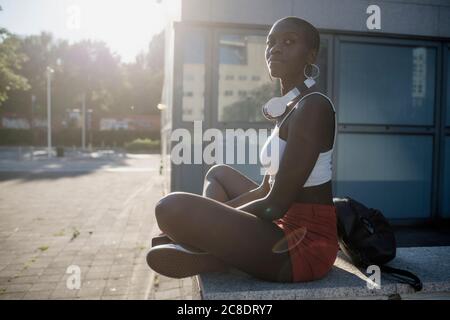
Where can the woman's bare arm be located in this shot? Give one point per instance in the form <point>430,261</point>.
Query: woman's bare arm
<point>259,192</point>
<point>302,150</point>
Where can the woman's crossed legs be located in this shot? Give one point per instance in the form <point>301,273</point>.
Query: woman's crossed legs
<point>236,237</point>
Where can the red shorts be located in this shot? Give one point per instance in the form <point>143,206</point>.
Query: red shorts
<point>311,233</point>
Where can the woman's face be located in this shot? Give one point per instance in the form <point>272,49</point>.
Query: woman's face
<point>286,51</point>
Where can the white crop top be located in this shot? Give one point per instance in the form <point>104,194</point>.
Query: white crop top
<point>322,170</point>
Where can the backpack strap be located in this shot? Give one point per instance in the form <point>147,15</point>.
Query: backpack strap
<point>403,276</point>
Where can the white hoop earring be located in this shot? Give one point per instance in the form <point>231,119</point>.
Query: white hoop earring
<point>309,82</point>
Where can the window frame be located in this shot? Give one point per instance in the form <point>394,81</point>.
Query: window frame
<point>222,125</point>
<point>215,123</point>
<point>434,130</point>
<point>181,29</point>
<point>445,131</point>
<point>439,130</point>
<point>385,41</point>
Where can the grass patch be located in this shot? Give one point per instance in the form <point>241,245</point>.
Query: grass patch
<point>59,234</point>
<point>75,234</point>
<point>143,145</point>
<point>156,281</point>
<point>43,248</point>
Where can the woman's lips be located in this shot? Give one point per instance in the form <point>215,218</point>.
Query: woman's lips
<point>275,64</point>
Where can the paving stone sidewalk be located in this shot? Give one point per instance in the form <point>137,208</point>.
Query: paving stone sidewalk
<point>165,288</point>
<point>95,219</point>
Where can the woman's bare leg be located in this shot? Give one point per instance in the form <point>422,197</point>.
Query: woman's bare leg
<point>236,237</point>
<point>223,183</point>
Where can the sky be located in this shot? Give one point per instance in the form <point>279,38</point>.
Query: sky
<point>127,26</point>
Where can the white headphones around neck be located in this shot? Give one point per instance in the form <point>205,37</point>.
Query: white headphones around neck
<point>276,106</point>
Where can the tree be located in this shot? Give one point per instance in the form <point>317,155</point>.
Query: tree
<point>249,108</point>
<point>10,64</point>
<point>87,67</point>
<point>144,78</point>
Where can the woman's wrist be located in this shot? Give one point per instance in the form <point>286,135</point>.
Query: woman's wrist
<point>262,190</point>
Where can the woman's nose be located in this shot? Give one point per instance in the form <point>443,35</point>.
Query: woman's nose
<point>274,49</point>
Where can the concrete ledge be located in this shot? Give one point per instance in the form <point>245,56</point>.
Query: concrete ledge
<point>430,264</point>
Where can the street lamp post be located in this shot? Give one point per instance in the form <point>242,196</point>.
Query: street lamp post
<point>33,106</point>
<point>49,111</point>
<point>90,128</point>
<point>83,123</point>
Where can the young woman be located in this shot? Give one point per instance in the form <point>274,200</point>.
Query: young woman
<point>281,231</point>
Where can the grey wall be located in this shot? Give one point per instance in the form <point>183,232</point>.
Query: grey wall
<point>407,17</point>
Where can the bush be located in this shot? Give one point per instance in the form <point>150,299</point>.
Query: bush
<point>72,137</point>
<point>15,137</point>
<point>143,145</point>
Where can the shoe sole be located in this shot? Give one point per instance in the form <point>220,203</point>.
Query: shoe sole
<point>161,239</point>
<point>177,262</point>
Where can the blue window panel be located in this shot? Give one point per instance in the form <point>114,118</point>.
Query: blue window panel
<point>385,84</point>
<point>389,172</point>
<point>233,67</point>
<point>193,104</point>
<point>194,48</point>
<point>233,49</point>
<point>448,88</point>
<point>446,193</point>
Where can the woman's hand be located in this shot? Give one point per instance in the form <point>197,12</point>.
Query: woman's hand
<point>265,186</point>
<point>259,192</point>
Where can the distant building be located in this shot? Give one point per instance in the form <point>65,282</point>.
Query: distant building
<point>10,120</point>
<point>132,122</point>
<point>14,121</point>
<point>74,119</point>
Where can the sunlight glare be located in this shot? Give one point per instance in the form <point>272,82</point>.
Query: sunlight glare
<point>126,26</point>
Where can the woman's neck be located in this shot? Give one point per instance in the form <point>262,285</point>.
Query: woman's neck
<point>289,84</point>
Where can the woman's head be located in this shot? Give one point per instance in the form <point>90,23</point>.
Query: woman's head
<point>292,43</point>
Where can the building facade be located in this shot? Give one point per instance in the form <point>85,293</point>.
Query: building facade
<point>385,64</point>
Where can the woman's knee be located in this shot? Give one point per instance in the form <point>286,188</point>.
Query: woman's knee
<point>216,171</point>
<point>169,208</point>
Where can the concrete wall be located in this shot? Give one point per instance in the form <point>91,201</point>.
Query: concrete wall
<point>406,17</point>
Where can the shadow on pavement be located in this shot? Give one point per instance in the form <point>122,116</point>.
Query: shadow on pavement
<point>38,166</point>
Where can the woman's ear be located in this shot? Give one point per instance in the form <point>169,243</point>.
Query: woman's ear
<point>312,56</point>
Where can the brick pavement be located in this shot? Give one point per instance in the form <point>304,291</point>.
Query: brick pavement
<point>98,219</point>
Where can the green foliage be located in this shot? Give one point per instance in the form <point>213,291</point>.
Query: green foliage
<point>143,145</point>
<point>11,60</point>
<point>11,137</point>
<point>250,107</point>
<point>72,137</point>
<point>86,67</point>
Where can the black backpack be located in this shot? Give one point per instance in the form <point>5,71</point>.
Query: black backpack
<point>367,238</point>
